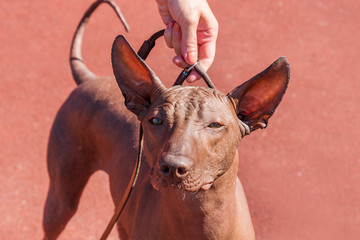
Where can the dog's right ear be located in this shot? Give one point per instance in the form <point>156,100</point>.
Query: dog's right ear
<point>136,80</point>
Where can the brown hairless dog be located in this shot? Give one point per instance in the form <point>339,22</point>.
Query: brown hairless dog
<point>188,186</point>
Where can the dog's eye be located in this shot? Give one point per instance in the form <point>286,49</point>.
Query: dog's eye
<point>215,125</point>
<point>156,121</point>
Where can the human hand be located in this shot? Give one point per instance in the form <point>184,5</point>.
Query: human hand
<point>191,29</point>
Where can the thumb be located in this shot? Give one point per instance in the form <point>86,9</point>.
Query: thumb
<point>189,47</point>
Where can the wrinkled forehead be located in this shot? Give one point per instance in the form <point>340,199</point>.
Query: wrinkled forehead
<point>196,98</point>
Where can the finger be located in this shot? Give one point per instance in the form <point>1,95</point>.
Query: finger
<point>206,58</point>
<point>180,62</point>
<point>163,9</point>
<point>193,77</point>
<point>189,43</point>
<point>176,39</point>
<point>207,54</point>
<point>168,34</point>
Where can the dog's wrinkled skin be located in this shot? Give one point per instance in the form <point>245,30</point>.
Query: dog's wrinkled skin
<point>188,186</point>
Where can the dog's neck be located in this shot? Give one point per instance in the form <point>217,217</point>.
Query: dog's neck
<point>214,210</point>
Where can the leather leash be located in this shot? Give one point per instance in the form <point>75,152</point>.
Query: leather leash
<point>143,53</point>
<point>150,43</point>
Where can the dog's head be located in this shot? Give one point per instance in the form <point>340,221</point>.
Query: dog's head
<point>191,134</point>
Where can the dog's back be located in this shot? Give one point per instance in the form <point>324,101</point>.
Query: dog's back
<point>91,129</point>
<point>81,141</point>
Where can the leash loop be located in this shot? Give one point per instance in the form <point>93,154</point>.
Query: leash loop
<point>149,44</point>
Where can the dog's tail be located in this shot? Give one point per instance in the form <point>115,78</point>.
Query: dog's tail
<point>78,68</point>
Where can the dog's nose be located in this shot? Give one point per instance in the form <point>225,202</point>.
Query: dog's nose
<point>174,166</point>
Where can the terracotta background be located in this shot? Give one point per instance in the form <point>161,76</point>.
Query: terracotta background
<point>301,175</point>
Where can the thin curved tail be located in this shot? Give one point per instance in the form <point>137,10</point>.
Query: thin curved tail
<point>78,68</point>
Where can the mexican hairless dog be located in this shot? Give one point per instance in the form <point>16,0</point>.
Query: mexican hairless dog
<point>188,186</point>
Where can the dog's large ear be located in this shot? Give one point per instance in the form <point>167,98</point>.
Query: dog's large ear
<point>256,100</point>
<point>136,80</point>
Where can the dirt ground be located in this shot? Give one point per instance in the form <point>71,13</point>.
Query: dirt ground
<point>301,175</point>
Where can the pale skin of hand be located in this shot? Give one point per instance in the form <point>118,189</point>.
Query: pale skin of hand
<point>191,30</point>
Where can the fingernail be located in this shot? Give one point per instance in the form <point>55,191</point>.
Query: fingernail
<point>191,57</point>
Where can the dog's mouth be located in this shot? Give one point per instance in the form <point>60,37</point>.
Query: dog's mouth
<point>192,183</point>
<point>207,186</point>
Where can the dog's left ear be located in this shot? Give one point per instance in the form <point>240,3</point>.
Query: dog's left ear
<point>136,80</point>
<point>256,100</point>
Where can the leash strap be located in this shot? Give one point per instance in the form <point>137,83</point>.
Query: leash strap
<point>128,190</point>
<point>149,44</point>
<point>143,53</point>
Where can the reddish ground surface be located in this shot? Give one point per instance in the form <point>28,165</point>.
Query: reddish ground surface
<point>301,175</point>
